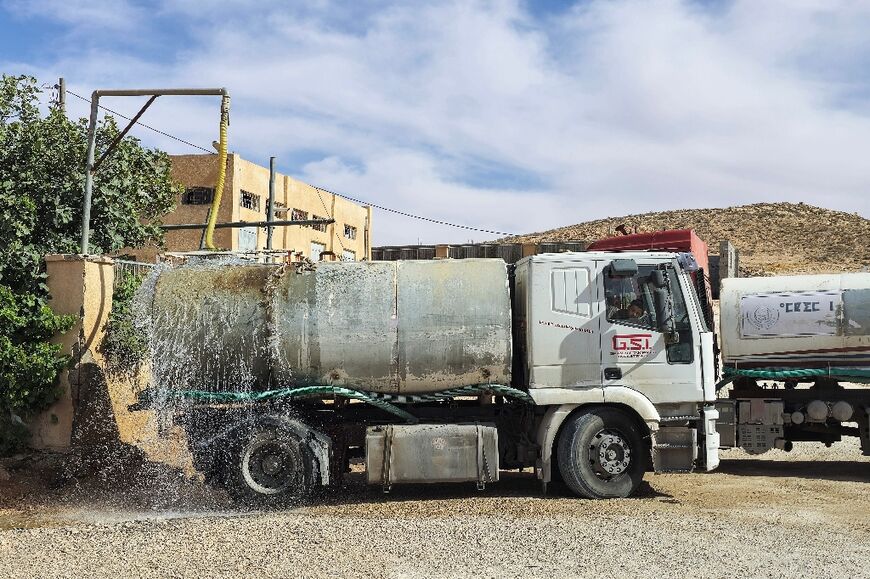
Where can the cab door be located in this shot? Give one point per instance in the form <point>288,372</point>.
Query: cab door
<point>563,324</point>
<point>634,353</point>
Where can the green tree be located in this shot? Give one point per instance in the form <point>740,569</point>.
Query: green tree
<point>125,345</point>
<point>42,173</point>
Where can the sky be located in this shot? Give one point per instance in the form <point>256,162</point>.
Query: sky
<point>510,116</point>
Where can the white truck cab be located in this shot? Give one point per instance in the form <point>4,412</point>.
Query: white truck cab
<point>623,330</point>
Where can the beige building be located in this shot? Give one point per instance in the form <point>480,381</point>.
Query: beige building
<point>245,198</point>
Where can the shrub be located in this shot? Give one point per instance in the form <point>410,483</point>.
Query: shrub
<point>29,363</point>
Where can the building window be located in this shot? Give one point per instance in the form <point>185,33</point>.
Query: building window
<point>319,226</point>
<point>298,215</point>
<point>350,231</point>
<point>248,239</point>
<point>198,196</point>
<point>250,201</point>
<point>280,209</point>
<point>348,255</point>
<point>316,250</point>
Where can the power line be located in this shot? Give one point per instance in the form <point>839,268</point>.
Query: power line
<point>396,211</point>
<point>322,202</point>
<point>360,201</point>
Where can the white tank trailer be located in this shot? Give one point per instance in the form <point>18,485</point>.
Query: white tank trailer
<point>808,321</point>
<point>789,343</point>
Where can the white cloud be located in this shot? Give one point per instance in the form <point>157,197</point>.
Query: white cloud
<point>608,108</point>
<point>101,16</point>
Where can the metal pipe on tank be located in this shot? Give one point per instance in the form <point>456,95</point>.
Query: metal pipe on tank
<point>90,165</point>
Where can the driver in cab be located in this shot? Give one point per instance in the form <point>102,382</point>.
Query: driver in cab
<point>635,313</point>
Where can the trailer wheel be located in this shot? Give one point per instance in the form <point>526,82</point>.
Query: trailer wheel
<point>601,454</point>
<point>271,464</point>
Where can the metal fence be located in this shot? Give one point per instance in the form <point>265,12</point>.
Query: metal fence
<point>123,268</point>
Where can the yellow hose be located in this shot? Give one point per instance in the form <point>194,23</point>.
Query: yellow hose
<point>222,174</point>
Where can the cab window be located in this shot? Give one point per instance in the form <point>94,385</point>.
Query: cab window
<point>681,350</point>
<point>629,300</point>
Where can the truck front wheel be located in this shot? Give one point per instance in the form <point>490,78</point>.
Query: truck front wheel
<point>269,464</point>
<point>601,454</point>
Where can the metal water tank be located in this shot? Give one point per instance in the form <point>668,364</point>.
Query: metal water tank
<point>399,327</point>
<point>803,320</point>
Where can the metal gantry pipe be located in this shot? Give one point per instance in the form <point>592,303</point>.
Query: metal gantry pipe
<point>238,224</point>
<point>89,173</point>
<point>90,167</point>
<point>162,92</point>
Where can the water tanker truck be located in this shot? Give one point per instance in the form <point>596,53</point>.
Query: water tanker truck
<point>782,334</point>
<point>592,368</point>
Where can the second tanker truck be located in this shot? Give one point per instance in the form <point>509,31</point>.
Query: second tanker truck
<point>592,367</point>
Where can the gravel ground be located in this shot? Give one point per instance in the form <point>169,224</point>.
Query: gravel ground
<point>799,514</point>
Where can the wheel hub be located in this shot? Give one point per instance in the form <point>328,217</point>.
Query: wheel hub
<point>270,467</point>
<point>271,464</point>
<point>610,454</point>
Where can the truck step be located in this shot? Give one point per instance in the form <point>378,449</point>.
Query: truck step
<point>674,448</point>
<point>678,418</point>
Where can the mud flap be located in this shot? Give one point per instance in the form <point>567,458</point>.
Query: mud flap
<point>711,438</point>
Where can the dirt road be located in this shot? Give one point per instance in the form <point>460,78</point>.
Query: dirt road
<point>801,514</point>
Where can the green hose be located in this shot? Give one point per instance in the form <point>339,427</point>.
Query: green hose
<point>385,402</point>
<point>848,374</point>
<point>284,393</point>
<point>473,390</point>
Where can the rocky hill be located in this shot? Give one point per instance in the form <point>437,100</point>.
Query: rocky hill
<point>773,238</point>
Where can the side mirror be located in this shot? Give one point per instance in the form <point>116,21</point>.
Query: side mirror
<point>665,315</point>
<point>623,267</point>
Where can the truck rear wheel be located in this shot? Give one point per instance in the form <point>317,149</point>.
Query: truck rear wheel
<point>601,454</point>
<point>271,464</point>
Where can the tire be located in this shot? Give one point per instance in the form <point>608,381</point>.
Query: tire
<point>601,454</point>
<point>270,464</point>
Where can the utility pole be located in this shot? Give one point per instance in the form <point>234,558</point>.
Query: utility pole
<point>270,212</point>
<point>61,94</point>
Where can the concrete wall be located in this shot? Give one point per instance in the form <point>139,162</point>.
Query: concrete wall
<point>82,287</point>
<point>92,414</point>
<point>242,175</point>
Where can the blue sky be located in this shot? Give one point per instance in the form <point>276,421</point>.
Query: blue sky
<point>508,115</point>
